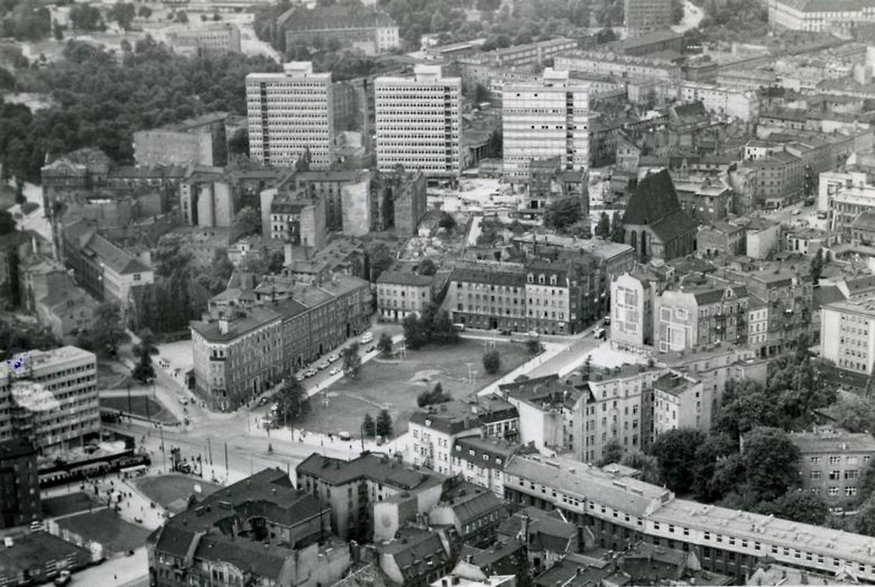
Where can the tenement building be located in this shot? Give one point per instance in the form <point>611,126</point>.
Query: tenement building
<point>239,353</point>
<point>19,483</point>
<point>365,28</point>
<point>544,120</point>
<point>419,122</point>
<point>831,463</point>
<point>562,296</point>
<point>618,511</point>
<point>642,15</point>
<point>360,489</point>
<point>291,116</point>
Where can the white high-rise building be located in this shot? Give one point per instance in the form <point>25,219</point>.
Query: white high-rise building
<point>50,397</point>
<point>419,122</point>
<point>545,120</point>
<point>290,113</point>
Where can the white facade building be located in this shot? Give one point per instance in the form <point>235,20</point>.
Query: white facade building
<point>847,335</point>
<point>727,102</point>
<point>844,195</point>
<point>291,113</point>
<point>819,15</point>
<point>545,120</point>
<point>419,122</point>
<point>51,396</point>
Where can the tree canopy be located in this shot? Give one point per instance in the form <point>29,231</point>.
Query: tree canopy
<point>675,450</point>
<point>563,213</point>
<point>100,102</point>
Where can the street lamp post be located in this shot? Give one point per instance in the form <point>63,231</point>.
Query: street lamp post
<point>163,452</point>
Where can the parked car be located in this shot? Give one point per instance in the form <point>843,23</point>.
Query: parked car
<point>323,365</point>
<point>309,373</point>
<point>334,371</point>
<point>344,435</point>
<point>366,338</point>
<point>332,358</point>
<point>599,333</point>
<point>263,401</point>
<point>63,578</point>
<point>506,332</point>
<point>370,348</point>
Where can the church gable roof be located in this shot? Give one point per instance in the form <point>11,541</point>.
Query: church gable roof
<point>654,198</point>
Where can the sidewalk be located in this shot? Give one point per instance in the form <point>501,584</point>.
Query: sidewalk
<point>328,444</point>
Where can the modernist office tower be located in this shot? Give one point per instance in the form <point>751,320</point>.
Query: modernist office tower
<point>545,120</point>
<point>419,122</point>
<point>290,113</point>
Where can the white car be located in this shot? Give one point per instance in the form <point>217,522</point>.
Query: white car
<point>332,358</point>
<point>334,371</point>
<point>323,365</point>
<point>309,373</point>
<point>367,337</point>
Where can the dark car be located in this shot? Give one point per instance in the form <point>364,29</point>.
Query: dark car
<point>506,332</point>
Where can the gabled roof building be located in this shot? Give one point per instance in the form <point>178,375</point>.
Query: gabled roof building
<point>656,225</point>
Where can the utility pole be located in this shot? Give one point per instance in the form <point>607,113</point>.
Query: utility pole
<point>210,451</point>
<point>163,452</point>
<point>226,460</point>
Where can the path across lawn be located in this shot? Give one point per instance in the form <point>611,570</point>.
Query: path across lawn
<point>395,384</point>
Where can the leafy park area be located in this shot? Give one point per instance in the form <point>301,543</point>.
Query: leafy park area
<point>100,101</point>
<point>395,383</point>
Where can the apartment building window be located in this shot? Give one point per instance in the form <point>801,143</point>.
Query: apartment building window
<point>834,460</point>
<point>815,475</point>
<point>833,491</point>
<point>834,475</point>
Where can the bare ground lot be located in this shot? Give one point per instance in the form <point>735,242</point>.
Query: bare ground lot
<point>395,383</point>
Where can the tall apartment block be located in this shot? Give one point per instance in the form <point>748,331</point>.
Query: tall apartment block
<point>419,122</point>
<point>544,120</point>
<point>643,15</point>
<point>19,483</point>
<point>291,113</point>
<point>51,398</point>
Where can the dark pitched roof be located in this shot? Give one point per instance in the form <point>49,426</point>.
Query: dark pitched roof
<point>416,552</point>
<point>268,494</point>
<point>333,17</point>
<point>673,225</point>
<point>368,466</point>
<point>175,540</point>
<point>507,276</point>
<point>405,278</point>
<point>248,556</point>
<point>654,199</point>
<point>470,501</point>
<point>115,257</point>
<point>15,448</point>
<point>827,294</point>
